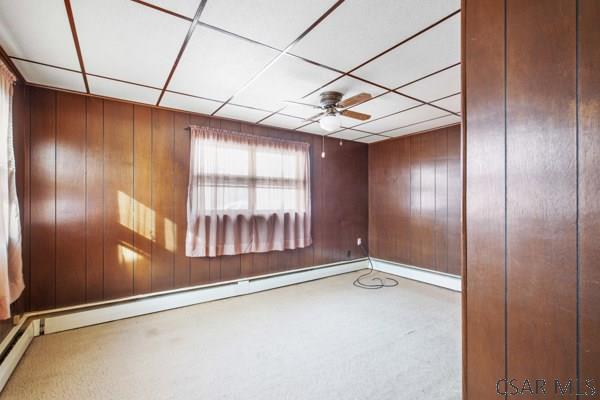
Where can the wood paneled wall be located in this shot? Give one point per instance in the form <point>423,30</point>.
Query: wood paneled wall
<point>104,191</point>
<point>414,200</point>
<point>532,131</point>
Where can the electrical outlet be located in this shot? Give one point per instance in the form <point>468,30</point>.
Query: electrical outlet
<point>358,241</point>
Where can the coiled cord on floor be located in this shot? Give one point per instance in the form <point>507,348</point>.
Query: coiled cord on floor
<point>375,282</point>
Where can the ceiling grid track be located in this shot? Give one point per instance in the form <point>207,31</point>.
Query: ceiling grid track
<point>182,49</point>
<point>283,118</point>
<point>76,41</point>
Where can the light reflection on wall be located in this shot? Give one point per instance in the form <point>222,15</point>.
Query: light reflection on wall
<point>170,235</point>
<point>141,219</point>
<point>127,255</point>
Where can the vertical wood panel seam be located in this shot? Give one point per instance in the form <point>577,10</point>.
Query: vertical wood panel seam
<point>103,200</point>
<point>577,238</point>
<point>410,222</point>
<point>435,144</point>
<point>152,212</point>
<point>85,203</point>
<point>505,192</point>
<point>463,238</point>
<point>133,207</point>
<point>173,225</point>
<point>55,181</point>
<point>29,294</point>
<point>447,203</point>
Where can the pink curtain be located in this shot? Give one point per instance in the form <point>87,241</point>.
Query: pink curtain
<point>246,194</point>
<point>11,266</point>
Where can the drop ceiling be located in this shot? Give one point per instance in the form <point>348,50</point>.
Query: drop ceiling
<point>242,59</point>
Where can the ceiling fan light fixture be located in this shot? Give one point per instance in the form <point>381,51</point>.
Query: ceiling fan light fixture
<point>330,122</point>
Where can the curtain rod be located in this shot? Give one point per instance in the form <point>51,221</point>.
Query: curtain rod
<point>251,135</point>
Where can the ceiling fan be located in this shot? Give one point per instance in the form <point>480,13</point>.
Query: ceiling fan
<point>332,106</point>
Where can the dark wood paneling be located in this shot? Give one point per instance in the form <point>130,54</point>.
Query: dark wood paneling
<point>43,205</point>
<point>454,201</point>
<point>143,214</point>
<point>484,352</point>
<point>70,198</point>
<point>414,200</point>
<point>94,186</point>
<point>538,160</point>
<point>427,194</point>
<point>441,201</point>
<point>401,178</point>
<point>181,163</point>
<point>118,203</point>
<point>317,189</point>
<point>21,140</point>
<point>163,243</point>
<point>589,190</point>
<point>136,162</point>
<point>542,189</point>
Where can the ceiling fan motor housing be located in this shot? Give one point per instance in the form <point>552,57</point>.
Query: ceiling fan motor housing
<point>330,99</point>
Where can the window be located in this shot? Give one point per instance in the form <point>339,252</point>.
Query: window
<point>246,194</point>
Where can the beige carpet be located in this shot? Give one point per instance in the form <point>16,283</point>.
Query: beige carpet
<point>321,340</point>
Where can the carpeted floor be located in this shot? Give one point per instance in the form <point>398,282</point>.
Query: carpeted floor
<point>320,340</point>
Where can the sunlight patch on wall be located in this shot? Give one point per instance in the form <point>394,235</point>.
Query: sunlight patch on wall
<point>126,255</point>
<point>136,216</point>
<point>170,235</point>
<point>141,219</point>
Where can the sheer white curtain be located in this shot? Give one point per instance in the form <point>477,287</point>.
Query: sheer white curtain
<point>246,194</point>
<point>11,266</point>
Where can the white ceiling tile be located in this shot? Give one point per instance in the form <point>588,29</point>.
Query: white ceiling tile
<point>347,86</point>
<point>384,105</point>
<point>184,7</point>
<point>124,91</point>
<point>437,48</point>
<point>427,125</point>
<point>314,128</point>
<point>371,139</point>
<point>274,22</point>
<point>120,39</point>
<point>215,65</point>
<point>349,122</point>
<point>283,121</point>
<point>189,103</point>
<point>242,113</point>
<point>436,86</point>
<point>359,30</point>
<point>452,103</point>
<point>299,110</point>
<point>289,78</point>
<point>38,31</point>
<point>402,119</point>
<point>49,76</point>
<point>348,134</point>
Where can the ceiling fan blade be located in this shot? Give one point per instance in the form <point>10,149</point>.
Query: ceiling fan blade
<point>355,115</point>
<point>351,101</point>
<point>315,117</point>
<point>302,104</point>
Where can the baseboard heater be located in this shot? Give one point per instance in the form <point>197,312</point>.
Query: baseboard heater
<point>441,279</point>
<point>15,343</point>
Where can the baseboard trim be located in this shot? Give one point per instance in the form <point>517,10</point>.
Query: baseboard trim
<point>14,354</point>
<point>168,301</point>
<point>13,346</point>
<point>448,281</point>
